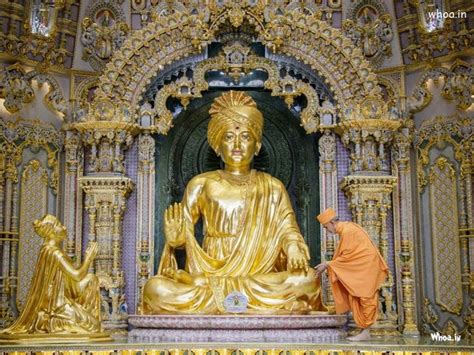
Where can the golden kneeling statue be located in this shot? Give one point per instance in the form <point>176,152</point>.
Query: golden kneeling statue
<point>252,243</point>
<point>63,301</point>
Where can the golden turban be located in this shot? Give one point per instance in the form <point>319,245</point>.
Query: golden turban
<point>233,107</point>
<point>326,216</point>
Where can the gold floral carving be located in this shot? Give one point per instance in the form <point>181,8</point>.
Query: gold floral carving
<point>34,205</point>
<point>181,34</point>
<point>103,31</point>
<point>458,86</point>
<point>368,129</point>
<point>369,26</point>
<point>429,42</point>
<point>16,89</point>
<point>439,130</point>
<point>83,92</point>
<point>288,87</point>
<point>444,232</point>
<point>31,37</point>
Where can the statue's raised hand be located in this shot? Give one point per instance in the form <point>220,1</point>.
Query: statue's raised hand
<point>174,225</point>
<point>91,253</point>
<point>92,250</point>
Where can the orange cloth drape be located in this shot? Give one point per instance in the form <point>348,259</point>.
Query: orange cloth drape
<point>356,272</point>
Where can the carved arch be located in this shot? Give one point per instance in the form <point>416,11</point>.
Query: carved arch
<point>178,35</point>
<point>54,98</point>
<point>458,85</point>
<point>81,92</point>
<point>286,87</point>
<point>16,89</point>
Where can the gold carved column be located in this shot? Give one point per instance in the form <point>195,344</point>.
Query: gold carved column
<point>368,130</point>
<point>105,204</point>
<point>107,132</point>
<point>73,194</point>
<point>9,158</point>
<point>404,234</point>
<point>328,193</point>
<point>466,231</point>
<point>145,212</point>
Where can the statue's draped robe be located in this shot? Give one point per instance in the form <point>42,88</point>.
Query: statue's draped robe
<point>56,304</point>
<point>356,272</point>
<point>243,250</point>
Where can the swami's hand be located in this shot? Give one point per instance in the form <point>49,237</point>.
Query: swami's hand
<point>320,268</point>
<point>298,256</point>
<point>174,224</point>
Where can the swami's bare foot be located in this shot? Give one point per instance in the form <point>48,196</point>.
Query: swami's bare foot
<point>362,336</point>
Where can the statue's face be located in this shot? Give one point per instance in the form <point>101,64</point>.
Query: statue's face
<point>61,232</point>
<point>238,145</point>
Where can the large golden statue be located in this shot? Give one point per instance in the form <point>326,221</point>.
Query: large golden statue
<point>252,243</point>
<point>63,301</point>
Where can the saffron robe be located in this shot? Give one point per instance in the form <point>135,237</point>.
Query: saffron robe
<point>356,272</point>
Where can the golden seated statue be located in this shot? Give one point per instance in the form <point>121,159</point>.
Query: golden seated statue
<point>252,243</point>
<point>63,301</point>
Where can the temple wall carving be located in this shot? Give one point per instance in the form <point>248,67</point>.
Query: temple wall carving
<point>80,118</point>
<point>444,186</point>
<point>30,176</point>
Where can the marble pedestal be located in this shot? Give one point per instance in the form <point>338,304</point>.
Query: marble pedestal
<point>237,328</point>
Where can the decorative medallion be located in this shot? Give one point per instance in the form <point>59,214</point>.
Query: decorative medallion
<point>236,302</point>
<point>369,26</point>
<point>103,31</point>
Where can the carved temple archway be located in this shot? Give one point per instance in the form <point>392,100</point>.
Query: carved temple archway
<point>310,40</point>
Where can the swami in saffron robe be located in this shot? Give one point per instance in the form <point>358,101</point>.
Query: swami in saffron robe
<point>356,272</point>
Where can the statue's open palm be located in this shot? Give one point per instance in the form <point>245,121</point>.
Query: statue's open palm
<point>174,224</point>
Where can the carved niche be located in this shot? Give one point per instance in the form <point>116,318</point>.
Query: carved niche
<point>369,26</point>
<point>103,31</point>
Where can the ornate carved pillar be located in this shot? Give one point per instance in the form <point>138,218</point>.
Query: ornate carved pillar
<point>368,131</point>
<point>466,230</point>
<point>107,132</point>
<point>73,194</point>
<point>370,201</point>
<point>105,204</point>
<point>4,267</point>
<point>403,203</point>
<point>328,193</point>
<point>9,233</point>
<point>146,211</point>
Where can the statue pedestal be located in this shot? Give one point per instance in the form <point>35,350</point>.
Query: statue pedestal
<point>237,328</point>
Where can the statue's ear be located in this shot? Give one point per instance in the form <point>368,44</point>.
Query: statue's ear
<point>258,147</point>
